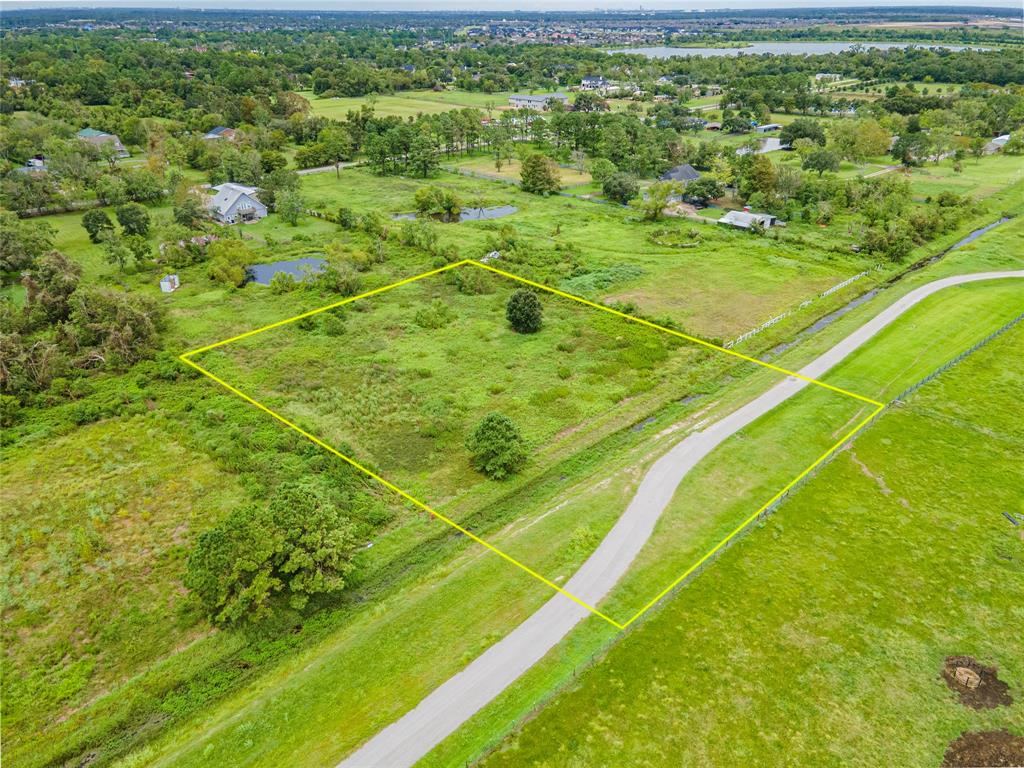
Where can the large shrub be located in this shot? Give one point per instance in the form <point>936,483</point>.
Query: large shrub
<point>524,311</point>
<point>497,447</point>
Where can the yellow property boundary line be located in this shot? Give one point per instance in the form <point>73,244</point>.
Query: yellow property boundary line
<point>187,359</point>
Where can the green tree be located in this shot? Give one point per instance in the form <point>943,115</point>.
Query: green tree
<point>601,169</point>
<point>300,546</point>
<point>539,175</point>
<point>228,260</point>
<point>653,203</point>
<point>423,154</point>
<point>134,219</point>
<point>803,128</point>
<point>821,160</point>
<point>49,286</point>
<point>705,188</point>
<point>290,207</point>
<point>524,311</point>
<point>115,251</point>
<point>22,241</point>
<point>190,212</point>
<point>497,447</point>
<point>98,224</point>
<point>620,188</point>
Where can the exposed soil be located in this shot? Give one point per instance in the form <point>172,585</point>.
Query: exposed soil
<point>990,693</point>
<point>985,749</point>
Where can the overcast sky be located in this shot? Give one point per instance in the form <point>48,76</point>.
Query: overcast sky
<point>486,5</point>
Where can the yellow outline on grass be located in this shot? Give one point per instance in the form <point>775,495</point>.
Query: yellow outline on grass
<point>186,358</point>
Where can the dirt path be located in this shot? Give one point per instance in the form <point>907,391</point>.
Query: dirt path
<point>451,704</point>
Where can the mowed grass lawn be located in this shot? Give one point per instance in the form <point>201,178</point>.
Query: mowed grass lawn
<point>406,104</point>
<point>819,639</point>
<point>511,170</point>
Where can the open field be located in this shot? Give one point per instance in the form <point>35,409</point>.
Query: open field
<point>95,525</point>
<point>511,171</point>
<point>407,103</point>
<point>253,521</point>
<point>410,629</point>
<point>757,637</point>
<point>417,366</point>
<point>694,287</point>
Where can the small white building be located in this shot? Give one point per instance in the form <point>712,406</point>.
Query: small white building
<point>541,102</point>
<point>169,283</point>
<point>235,203</point>
<point>996,144</point>
<point>743,219</point>
<point>767,127</point>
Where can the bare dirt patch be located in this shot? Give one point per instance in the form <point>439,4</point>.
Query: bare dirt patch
<point>979,686</point>
<point>993,749</point>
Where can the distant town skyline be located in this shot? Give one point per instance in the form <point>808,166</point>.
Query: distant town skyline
<point>491,5</point>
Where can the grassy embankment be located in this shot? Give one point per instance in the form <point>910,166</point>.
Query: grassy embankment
<point>839,612</point>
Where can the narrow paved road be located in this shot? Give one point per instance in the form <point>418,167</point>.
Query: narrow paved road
<point>407,740</point>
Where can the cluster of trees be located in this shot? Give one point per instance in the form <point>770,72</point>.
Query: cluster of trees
<point>262,557</point>
<point>64,329</point>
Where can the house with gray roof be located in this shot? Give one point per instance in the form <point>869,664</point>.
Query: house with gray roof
<point>235,203</point>
<point>684,173</point>
<point>100,139</point>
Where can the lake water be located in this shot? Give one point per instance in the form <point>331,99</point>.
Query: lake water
<point>778,48</point>
<point>472,214</point>
<point>300,269</point>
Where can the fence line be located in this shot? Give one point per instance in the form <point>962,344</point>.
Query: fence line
<point>769,323</point>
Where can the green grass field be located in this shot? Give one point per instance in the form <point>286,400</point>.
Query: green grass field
<point>95,528</point>
<point>413,634</point>
<point>921,570</point>
<point>407,103</point>
<point>696,287</point>
<point>158,682</point>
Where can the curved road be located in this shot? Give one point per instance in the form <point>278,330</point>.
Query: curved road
<point>411,737</point>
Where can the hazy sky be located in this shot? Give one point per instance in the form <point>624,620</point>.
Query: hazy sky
<point>487,5</point>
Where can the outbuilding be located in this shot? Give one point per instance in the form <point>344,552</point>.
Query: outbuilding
<point>744,219</point>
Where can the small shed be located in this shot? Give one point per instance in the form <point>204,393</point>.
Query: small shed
<point>169,283</point>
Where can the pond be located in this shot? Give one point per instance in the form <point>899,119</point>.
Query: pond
<point>778,48</point>
<point>300,269</point>
<point>472,214</point>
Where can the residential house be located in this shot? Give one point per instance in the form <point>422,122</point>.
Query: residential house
<point>235,203</point>
<point>220,132</point>
<point>744,219</point>
<point>101,139</point>
<point>684,173</point>
<point>541,102</point>
<point>715,126</point>
<point>827,77</point>
<point>594,83</point>
<point>767,127</point>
